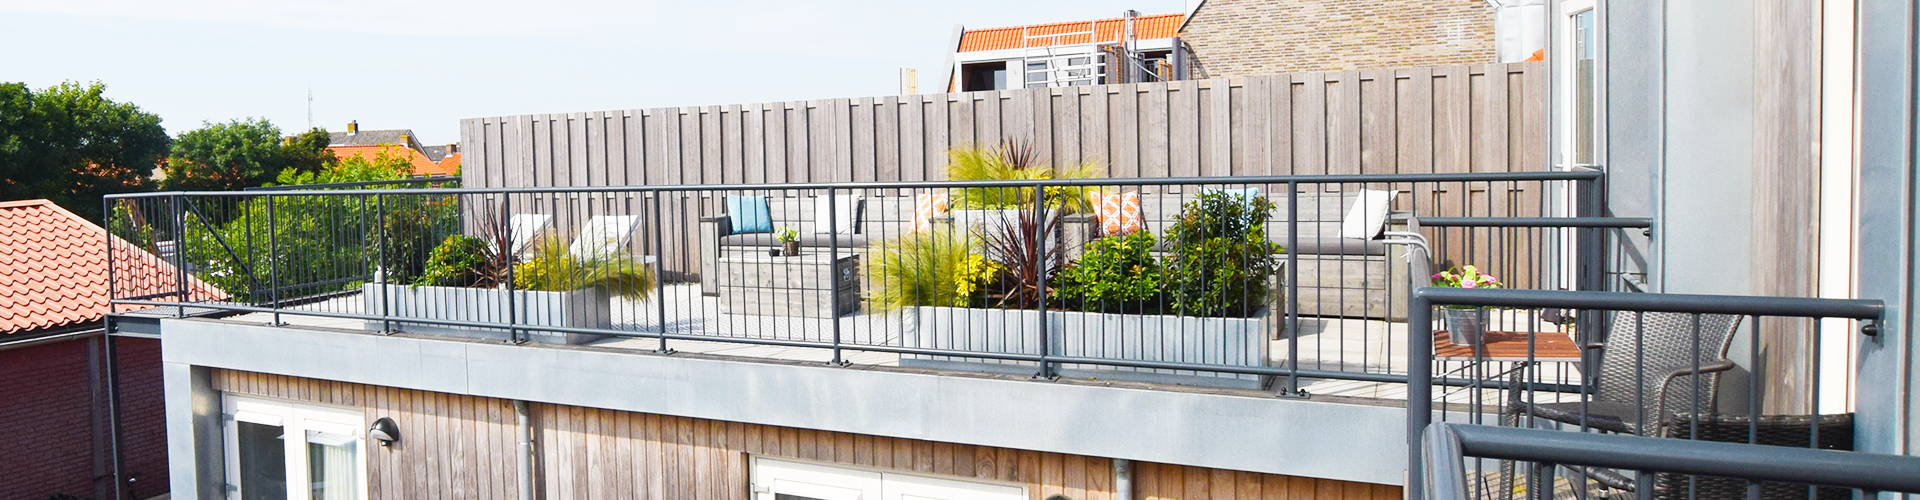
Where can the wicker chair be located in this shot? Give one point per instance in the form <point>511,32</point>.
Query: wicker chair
<point>1835,431</point>
<point>1647,369</point>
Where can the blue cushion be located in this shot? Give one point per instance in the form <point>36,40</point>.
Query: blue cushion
<point>749,214</point>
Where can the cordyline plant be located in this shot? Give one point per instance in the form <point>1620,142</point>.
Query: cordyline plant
<point>1025,251</point>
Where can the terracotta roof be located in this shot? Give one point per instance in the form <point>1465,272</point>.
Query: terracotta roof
<point>1070,33</point>
<point>421,164</point>
<point>53,269</point>
<point>450,164</point>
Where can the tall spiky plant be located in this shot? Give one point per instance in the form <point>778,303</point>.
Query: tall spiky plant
<point>1014,159</point>
<point>934,268</point>
<point>553,268</point>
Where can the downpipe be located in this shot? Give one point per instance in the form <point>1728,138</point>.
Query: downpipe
<point>523,419</point>
<point>1123,479</point>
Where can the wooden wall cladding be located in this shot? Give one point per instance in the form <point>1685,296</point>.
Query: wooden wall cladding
<point>463,447</point>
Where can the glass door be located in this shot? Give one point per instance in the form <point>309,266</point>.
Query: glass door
<point>278,450</point>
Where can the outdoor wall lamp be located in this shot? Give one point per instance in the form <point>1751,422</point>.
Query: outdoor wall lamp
<point>384,431</point>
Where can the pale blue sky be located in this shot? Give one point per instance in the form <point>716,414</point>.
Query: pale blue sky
<point>424,65</point>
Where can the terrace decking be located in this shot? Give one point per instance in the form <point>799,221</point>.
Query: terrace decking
<point>1332,344</point>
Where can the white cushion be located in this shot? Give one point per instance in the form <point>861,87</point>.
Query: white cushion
<point>846,209</point>
<point>603,236</point>
<point>1368,216</point>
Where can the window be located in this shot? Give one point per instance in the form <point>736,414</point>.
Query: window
<point>775,479</point>
<point>983,76</point>
<point>284,451</point>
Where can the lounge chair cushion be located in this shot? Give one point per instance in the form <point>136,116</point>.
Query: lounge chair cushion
<point>1368,216</point>
<point>845,214</point>
<point>749,214</point>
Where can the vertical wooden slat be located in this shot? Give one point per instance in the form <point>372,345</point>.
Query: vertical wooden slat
<point>1378,137</point>
<point>886,139</point>
<point>913,138</point>
<point>1185,142</point>
<point>1155,130</point>
<point>1219,113</point>
<point>1343,123</point>
<point>1310,124</point>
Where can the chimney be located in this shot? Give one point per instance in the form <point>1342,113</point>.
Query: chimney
<point>453,148</point>
<point>353,127</point>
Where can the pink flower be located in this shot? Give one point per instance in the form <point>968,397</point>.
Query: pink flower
<point>1437,275</point>
<point>1468,284</point>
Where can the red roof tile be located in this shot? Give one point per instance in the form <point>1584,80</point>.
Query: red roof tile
<point>1070,33</point>
<point>421,165</point>
<point>53,268</point>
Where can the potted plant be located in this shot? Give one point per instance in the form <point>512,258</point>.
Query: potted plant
<point>789,241</point>
<point>466,280</point>
<point>1466,325</point>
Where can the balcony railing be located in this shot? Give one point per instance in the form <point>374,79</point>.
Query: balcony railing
<point>1672,371</point>
<point>1279,282</point>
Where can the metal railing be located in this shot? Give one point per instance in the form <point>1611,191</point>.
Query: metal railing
<point>1448,446</point>
<point>874,286</point>
<point>1669,368</point>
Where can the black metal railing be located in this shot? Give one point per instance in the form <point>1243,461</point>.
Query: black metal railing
<point>1447,447</point>
<point>1664,367</point>
<point>1237,281</point>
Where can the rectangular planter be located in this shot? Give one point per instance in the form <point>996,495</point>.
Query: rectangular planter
<point>1162,338</point>
<point>583,308</point>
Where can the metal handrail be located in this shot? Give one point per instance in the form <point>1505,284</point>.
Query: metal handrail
<point>1447,445</point>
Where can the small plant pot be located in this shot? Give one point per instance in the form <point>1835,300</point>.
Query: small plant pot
<point>792,248</point>
<point>773,252</point>
<point>1466,326</point>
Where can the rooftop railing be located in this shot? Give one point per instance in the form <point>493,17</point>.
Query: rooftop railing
<point>1291,283</point>
<point>1672,371</point>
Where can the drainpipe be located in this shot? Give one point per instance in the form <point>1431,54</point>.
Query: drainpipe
<point>524,419</point>
<point>1123,479</point>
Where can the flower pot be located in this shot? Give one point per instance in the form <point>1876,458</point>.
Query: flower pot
<point>790,248</point>
<point>1466,326</point>
<point>773,252</point>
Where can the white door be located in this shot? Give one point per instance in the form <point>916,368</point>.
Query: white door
<point>776,479</point>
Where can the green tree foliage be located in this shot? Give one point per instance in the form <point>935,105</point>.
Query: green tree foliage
<point>241,154</point>
<point>70,144</point>
<point>314,244</point>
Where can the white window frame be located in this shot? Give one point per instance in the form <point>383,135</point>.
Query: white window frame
<point>294,420</point>
<point>770,476</point>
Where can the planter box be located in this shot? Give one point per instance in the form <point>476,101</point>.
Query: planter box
<point>1182,339</point>
<point>583,308</point>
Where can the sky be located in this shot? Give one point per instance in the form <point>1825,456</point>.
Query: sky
<point>424,65</point>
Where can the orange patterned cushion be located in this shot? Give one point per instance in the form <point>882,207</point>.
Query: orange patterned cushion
<point>1117,213</point>
<point>925,208</point>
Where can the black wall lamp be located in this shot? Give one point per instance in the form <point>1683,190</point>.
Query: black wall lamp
<point>384,431</point>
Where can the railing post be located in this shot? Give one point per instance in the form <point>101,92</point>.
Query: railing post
<point>273,260</point>
<point>513,311</point>
<point>1293,287</point>
<point>380,260</point>
<point>1419,386</point>
<point>1041,264</point>
<point>106,211</point>
<point>833,275</point>
<point>659,270</point>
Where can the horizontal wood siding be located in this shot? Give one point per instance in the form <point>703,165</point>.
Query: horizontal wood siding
<point>461,447</point>
<point>1465,118</point>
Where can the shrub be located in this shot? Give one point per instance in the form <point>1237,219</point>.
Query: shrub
<point>460,260</point>
<point>553,268</point>
<point>1221,263</point>
<point>1116,274</point>
<point>934,268</point>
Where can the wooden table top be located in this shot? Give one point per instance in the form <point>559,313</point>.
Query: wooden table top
<point>1510,346</point>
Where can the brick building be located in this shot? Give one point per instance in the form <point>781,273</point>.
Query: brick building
<point>1257,37</point>
<point>399,143</point>
<point>53,371</point>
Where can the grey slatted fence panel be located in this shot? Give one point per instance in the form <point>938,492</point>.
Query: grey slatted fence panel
<point>1464,118</point>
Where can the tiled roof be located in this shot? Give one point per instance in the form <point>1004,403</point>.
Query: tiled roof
<point>403,137</point>
<point>421,164</point>
<point>451,164</point>
<point>436,153</point>
<point>53,269</point>
<point>1070,33</point>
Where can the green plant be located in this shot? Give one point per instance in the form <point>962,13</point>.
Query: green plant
<point>1026,252</point>
<point>934,268</point>
<point>1013,160</point>
<point>1116,274</point>
<point>788,235</point>
<point>1222,263</point>
<point>460,260</point>
<point>1465,277</point>
<point>553,268</point>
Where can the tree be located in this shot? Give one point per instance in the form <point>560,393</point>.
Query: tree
<point>70,144</point>
<point>241,154</point>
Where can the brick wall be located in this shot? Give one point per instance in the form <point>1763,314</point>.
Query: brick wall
<point>1257,37</point>
<point>46,403</point>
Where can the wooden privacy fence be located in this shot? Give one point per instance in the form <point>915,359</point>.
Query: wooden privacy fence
<point>1467,118</point>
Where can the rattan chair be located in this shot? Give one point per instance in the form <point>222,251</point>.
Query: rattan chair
<point>1835,433</point>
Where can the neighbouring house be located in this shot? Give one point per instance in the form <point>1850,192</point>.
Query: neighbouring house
<point>54,374</point>
<point>427,160</point>
<point>1063,54</point>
